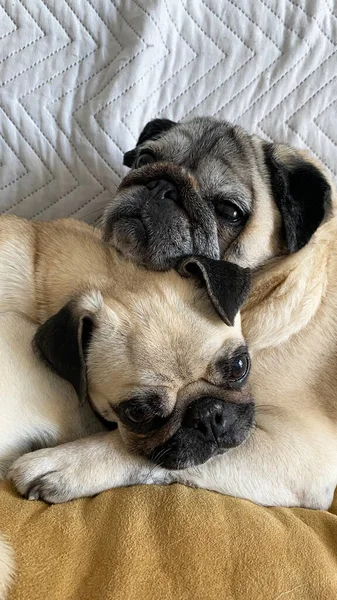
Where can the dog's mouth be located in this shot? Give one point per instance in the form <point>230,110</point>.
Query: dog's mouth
<point>190,447</point>
<point>207,427</point>
<point>158,217</point>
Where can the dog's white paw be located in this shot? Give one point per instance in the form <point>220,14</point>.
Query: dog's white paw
<point>48,474</point>
<point>82,468</point>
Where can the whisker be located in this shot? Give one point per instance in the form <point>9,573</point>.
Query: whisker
<point>157,465</point>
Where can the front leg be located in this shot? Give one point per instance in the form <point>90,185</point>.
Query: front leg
<point>287,470</point>
<point>274,468</point>
<point>82,468</point>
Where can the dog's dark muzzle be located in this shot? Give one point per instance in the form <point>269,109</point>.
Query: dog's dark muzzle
<point>161,190</point>
<point>210,427</point>
<point>158,216</point>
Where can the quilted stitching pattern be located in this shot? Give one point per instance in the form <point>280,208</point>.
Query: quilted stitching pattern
<point>79,79</point>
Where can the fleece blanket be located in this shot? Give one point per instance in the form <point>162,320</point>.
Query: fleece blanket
<point>169,543</point>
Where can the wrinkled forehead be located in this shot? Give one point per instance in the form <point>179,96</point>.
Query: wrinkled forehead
<point>215,151</point>
<point>182,348</point>
<point>193,141</point>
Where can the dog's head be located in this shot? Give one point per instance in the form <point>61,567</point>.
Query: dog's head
<point>163,355</point>
<point>209,188</point>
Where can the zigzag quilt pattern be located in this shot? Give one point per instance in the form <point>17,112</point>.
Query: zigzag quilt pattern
<point>78,80</point>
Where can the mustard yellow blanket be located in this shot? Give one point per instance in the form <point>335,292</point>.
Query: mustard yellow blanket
<point>167,543</point>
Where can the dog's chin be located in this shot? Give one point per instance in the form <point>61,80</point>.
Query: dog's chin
<point>182,451</point>
<point>132,241</point>
<point>129,237</point>
<point>172,457</point>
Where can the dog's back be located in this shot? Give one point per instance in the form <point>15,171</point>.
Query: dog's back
<point>24,244</point>
<point>17,249</point>
<point>37,407</point>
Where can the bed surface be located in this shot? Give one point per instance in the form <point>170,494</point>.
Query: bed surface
<point>169,543</point>
<point>79,79</point>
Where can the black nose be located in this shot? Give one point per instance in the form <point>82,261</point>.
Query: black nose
<point>162,190</point>
<point>214,419</point>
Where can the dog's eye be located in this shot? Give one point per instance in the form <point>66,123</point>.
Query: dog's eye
<point>239,369</point>
<point>136,412</point>
<point>144,159</point>
<point>140,415</point>
<point>229,211</point>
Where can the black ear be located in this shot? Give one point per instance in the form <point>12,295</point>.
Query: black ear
<point>302,195</point>
<point>151,131</point>
<point>62,342</point>
<point>129,158</point>
<point>227,284</point>
<point>154,129</point>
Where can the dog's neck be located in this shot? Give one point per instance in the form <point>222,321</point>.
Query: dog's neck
<point>288,292</point>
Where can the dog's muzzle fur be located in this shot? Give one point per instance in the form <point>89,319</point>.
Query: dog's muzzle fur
<point>159,216</point>
<point>209,428</point>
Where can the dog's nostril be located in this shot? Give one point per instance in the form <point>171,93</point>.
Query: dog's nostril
<point>162,190</point>
<point>170,194</point>
<point>218,419</point>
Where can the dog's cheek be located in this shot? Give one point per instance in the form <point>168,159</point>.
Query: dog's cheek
<point>145,444</point>
<point>259,241</point>
<point>228,241</point>
<point>165,250</point>
<point>129,237</point>
<point>123,227</point>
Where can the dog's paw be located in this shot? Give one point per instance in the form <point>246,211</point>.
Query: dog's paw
<point>46,474</point>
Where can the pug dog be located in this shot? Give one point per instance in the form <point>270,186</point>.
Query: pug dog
<point>210,189</point>
<point>159,354</point>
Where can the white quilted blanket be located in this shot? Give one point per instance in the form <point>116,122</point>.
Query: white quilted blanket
<point>79,78</point>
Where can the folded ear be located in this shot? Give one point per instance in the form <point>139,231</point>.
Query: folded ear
<point>151,131</point>
<point>63,340</point>
<point>301,192</point>
<point>227,284</point>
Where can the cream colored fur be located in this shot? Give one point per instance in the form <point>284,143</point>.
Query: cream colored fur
<point>42,267</point>
<point>291,459</point>
<point>144,323</point>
